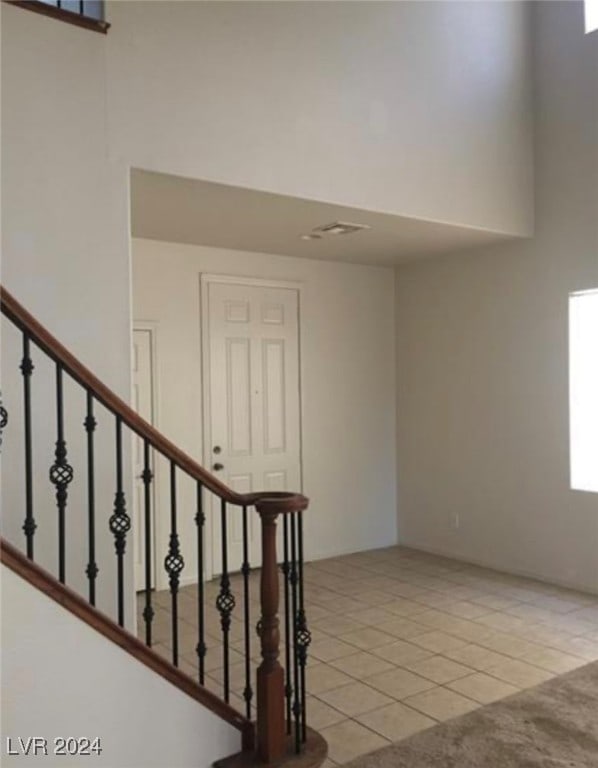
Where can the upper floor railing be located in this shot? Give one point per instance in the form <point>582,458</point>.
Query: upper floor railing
<point>82,13</point>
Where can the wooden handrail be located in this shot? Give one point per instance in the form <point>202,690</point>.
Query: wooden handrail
<point>39,578</point>
<point>79,20</point>
<point>269,735</point>
<point>285,502</point>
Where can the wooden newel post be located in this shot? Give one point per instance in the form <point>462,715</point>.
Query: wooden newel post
<point>271,731</point>
<point>271,739</point>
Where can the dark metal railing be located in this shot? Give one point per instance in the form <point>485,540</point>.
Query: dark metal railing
<point>27,369</point>
<point>246,570</point>
<point>92,568</point>
<point>90,10</point>
<point>82,13</point>
<point>200,648</point>
<point>272,696</point>
<point>147,476</point>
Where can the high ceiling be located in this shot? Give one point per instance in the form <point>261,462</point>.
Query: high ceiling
<point>176,209</point>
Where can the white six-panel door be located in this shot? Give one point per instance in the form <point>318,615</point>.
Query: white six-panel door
<point>252,399</point>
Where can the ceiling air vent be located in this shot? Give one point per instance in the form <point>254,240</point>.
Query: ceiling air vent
<point>340,228</point>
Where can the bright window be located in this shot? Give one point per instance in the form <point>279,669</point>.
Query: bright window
<point>583,389</point>
<point>591,10</point>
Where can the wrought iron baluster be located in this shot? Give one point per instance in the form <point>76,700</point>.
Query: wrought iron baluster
<point>27,367</point>
<point>61,474</point>
<point>174,564</point>
<point>3,419</point>
<point>147,476</point>
<point>92,568</point>
<point>120,523</point>
<point>294,578</point>
<point>302,633</point>
<point>245,570</point>
<point>225,602</point>
<point>200,648</point>
<point>288,688</point>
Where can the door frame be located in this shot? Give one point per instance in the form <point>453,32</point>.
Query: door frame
<point>159,545</point>
<point>205,280</point>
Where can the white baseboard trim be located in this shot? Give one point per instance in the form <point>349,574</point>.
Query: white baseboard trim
<point>311,557</point>
<point>591,590</point>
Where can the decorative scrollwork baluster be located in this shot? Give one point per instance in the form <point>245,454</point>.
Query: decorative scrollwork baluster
<point>174,564</point>
<point>29,525</point>
<point>200,648</point>
<point>286,570</point>
<point>245,571</point>
<point>3,418</point>
<point>294,581</point>
<point>120,524</point>
<point>147,476</point>
<point>225,602</point>
<point>302,633</point>
<point>61,475</point>
<point>92,567</point>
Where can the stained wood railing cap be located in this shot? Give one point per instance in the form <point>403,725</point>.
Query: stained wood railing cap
<point>280,502</point>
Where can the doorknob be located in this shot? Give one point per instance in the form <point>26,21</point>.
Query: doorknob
<point>217,466</point>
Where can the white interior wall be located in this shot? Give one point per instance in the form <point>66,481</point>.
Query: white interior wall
<point>348,394</point>
<point>420,109</point>
<point>333,101</point>
<point>483,421</point>
<point>142,720</point>
<point>65,257</point>
<point>65,203</point>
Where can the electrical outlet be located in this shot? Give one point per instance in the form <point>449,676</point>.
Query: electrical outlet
<point>455,520</point>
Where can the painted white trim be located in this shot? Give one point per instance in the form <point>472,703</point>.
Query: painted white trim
<point>204,331</point>
<point>205,280</point>
<point>160,538</point>
<point>493,565</point>
<point>206,277</point>
<point>154,328</point>
<point>328,554</point>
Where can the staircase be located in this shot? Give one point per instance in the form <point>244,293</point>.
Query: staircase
<point>76,516</point>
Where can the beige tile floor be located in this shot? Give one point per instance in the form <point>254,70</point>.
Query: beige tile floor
<point>403,640</point>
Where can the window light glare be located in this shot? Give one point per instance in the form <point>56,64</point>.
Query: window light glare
<point>591,14</point>
<point>583,389</point>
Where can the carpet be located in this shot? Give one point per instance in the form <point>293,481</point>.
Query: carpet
<point>554,725</point>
